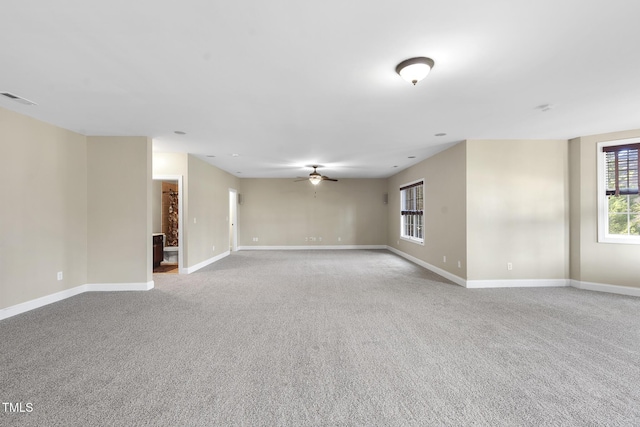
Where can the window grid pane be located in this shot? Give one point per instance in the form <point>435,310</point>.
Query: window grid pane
<point>412,202</point>
<point>624,215</point>
<point>619,224</point>
<point>634,224</point>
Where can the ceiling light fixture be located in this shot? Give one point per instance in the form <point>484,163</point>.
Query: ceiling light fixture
<point>415,69</point>
<point>315,178</point>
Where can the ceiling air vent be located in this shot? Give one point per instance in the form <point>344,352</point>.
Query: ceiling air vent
<point>17,98</point>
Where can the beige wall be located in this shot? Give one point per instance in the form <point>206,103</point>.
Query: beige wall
<point>593,262</point>
<point>43,222</point>
<point>517,209</point>
<point>170,164</point>
<point>208,192</point>
<point>444,211</point>
<point>575,200</point>
<point>281,212</point>
<point>119,210</point>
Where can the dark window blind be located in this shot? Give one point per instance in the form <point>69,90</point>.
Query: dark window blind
<point>622,169</point>
<point>411,185</point>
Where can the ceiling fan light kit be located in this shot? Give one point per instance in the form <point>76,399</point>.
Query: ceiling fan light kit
<point>316,178</point>
<point>415,69</point>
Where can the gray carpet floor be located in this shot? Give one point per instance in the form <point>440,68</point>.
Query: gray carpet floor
<point>324,338</point>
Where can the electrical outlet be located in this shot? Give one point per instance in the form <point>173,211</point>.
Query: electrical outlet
<point>213,248</point>
<point>60,275</point>
<point>509,266</point>
<point>339,239</point>
<point>194,220</point>
<point>444,258</point>
<point>306,239</point>
<point>459,264</point>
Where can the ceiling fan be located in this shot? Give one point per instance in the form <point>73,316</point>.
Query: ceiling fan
<point>315,177</point>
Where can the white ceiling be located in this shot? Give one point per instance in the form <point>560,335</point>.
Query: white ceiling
<point>289,83</point>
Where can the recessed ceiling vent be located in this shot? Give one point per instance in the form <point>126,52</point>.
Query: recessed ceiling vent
<point>16,98</point>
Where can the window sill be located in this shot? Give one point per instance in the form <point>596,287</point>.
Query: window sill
<point>412,240</point>
<point>621,240</point>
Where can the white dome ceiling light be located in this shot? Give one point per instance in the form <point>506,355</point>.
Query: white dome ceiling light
<point>415,69</point>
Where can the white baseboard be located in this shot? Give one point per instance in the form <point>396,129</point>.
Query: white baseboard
<point>203,264</point>
<point>455,279</point>
<point>68,293</point>
<point>517,283</point>
<point>477,284</point>
<point>305,248</point>
<point>117,287</point>
<point>602,287</point>
<point>40,302</point>
<point>521,283</point>
<point>92,287</point>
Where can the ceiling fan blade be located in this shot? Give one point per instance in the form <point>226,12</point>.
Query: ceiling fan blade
<point>301,179</point>
<point>326,178</point>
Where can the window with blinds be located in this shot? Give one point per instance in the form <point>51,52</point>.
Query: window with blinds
<point>411,211</point>
<point>619,192</point>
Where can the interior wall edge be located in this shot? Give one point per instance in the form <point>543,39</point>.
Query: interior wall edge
<point>196,267</point>
<point>452,277</point>
<point>606,288</point>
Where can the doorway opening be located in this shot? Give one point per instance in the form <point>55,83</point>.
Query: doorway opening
<point>167,224</point>
<point>233,220</point>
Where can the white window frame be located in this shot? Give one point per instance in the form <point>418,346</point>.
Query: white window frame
<point>419,241</point>
<point>603,204</point>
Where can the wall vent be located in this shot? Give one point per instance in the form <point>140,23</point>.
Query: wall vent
<point>17,98</point>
